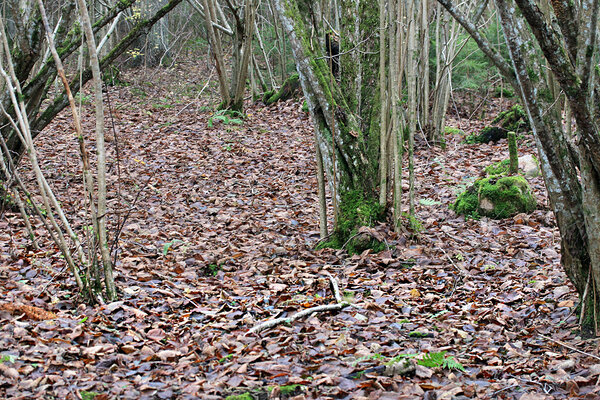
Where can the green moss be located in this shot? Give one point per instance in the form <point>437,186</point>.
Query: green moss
<point>288,390</point>
<point>503,92</point>
<point>450,130</point>
<point>467,203</point>
<point>514,156</point>
<point>514,119</point>
<point>287,90</point>
<point>355,211</point>
<point>499,168</point>
<point>487,134</point>
<point>496,197</point>
<point>245,396</point>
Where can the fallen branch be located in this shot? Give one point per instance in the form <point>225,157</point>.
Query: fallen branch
<point>309,311</point>
<point>568,346</point>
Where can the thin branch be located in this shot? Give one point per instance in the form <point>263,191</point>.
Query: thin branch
<point>340,305</point>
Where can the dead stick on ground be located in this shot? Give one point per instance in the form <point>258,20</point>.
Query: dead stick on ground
<point>568,346</point>
<point>309,311</point>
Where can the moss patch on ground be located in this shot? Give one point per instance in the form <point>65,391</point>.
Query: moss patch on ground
<point>499,168</point>
<point>496,197</point>
<point>450,130</point>
<point>514,119</point>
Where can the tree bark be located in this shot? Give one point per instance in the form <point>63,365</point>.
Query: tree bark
<point>575,198</point>
<point>345,112</point>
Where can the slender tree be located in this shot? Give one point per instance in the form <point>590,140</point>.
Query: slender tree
<point>345,109</point>
<point>35,70</point>
<point>570,164</point>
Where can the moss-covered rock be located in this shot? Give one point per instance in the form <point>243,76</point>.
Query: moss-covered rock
<point>488,134</point>
<point>290,88</point>
<point>496,197</point>
<point>512,120</point>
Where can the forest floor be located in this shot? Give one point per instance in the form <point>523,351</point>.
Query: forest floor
<point>219,236</point>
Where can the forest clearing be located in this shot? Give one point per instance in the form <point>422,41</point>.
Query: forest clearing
<point>410,211</point>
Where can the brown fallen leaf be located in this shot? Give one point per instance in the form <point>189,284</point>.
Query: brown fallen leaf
<point>31,312</point>
<point>9,372</point>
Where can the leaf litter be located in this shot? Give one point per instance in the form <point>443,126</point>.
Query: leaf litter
<point>219,237</point>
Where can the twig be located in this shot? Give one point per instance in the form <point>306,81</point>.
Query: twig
<point>352,237</point>
<point>568,346</point>
<point>200,93</point>
<point>309,311</point>
<point>335,288</point>
<point>504,389</point>
<point>181,294</point>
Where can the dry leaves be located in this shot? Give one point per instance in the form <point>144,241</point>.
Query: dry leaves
<point>221,238</point>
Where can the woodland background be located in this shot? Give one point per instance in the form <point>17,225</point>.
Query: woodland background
<point>176,173</point>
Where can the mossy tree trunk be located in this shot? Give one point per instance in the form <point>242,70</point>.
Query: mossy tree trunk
<point>570,165</point>
<point>345,109</point>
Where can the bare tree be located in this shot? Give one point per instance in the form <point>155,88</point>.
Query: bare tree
<point>35,70</point>
<point>570,164</point>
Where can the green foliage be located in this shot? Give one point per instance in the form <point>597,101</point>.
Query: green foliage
<point>164,103</point>
<point>471,68</point>
<point>504,91</point>
<point>440,360</point>
<point>7,201</point>
<point>305,106</point>
<point>432,360</point>
<point>85,395</point>
<point>227,117</point>
<point>168,245</point>
<point>213,269</point>
<point>429,202</point>
<point>139,92</point>
<point>8,358</point>
<point>82,98</point>
<point>245,396</point>
<point>112,76</point>
<point>509,196</point>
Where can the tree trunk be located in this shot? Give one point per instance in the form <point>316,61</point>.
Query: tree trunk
<point>570,166</point>
<point>26,46</point>
<point>345,112</point>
